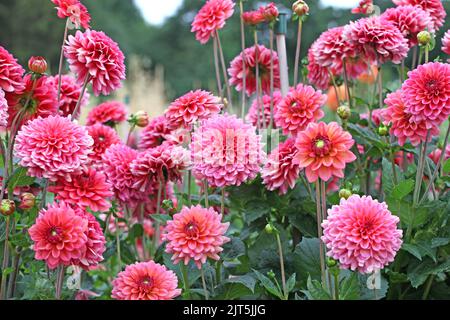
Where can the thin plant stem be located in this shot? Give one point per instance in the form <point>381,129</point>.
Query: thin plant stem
<point>297,51</point>
<point>190,188</point>
<point>244,66</point>
<point>13,278</point>
<point>380,88</point>
<point>61,61</point>
<point>222,202</point>
<point>206,194</point>
<point>283,273</point>
<point>323,197</point>
<point>44,194</point>
<point>59,282</point>
<point>336,286</point>
<point>5,261</point>
<point>319,233</point>
<point>414,58</point>
<point>217,68</point>
<point>224,70</point>
<point>83,91</point>
<point>428,287</point>
<point>119,255</point>
<point>130,133</point>
<point>158,211</point>
<point>204,284</point>
<point>184,273</point>
<point>347,84</point>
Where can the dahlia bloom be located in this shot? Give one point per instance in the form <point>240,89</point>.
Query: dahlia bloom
<point>264,110</point>
<point>70,94</point>
<point>93,56</point>
<point>410,20</point>
<point>376,39</point>
<point>145,281</point>
<point>104,137</point>
<point>324,150</point>
<point>253,18</point>
<point>403,127</point>
<point>75,11</point>
<point>434,8</point>
<point>362,234</point>
<point>195,234</point>
<point>280,173</point>
<point>10,72</point>
<point>299,108</point>
<point>226,151</point>
<point>86,190</point>
<point>318,75</point>
<point>52,148</point>
<point>437,153</point>
<point>256,54</point>
<point>109,113</point>
<point>426,93</point>
<point>192,107</point>
<point>3,110</point>
<point>211,18</point>
<point>155,133</point>
<point>364,7</point>
<point>59,235</point>
<point>446,43</point>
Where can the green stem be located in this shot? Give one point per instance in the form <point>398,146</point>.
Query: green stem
<point>297,51</point>
<point>222,202</point>
<point>204,284</point>
<point>319,233</point>
<point>217,68</point>
<point>5,262</point>
<point>119,256</point>
<point>224,70</point>
<point>347,84</point>
<point>428,287</point>
<point>59,282</point>
<point>158,210</point>
<point>336,286</point>
<point>283,273</point>
<point>184,273</point>
<point>206,194</point>
<point>61,61</point>
<point>83,90</point>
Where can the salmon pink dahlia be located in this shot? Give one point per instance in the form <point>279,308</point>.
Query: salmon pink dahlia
<point>362,234</point>
<point>52,148</point>
<point>264,112</point>
<point>426,93</point>
<point>145,281</point>
<point>70,94</point>
<point>226,151</point>
<point>3,110</point>
<point>86,190</point>
<point>446,43</point>
<point>255,55</point>
<point>318,75</point>
<point>192,107</point>
<point>437,153</point>
<point>104,137</point>
<point>253,18</point>
<point>280,172</point>
<point>59,235</point>
<point>75,11</point>
<point>299,108</point>
<point>195,234</point>
<point>324,150</point>
<point>10,73</point>
<point>433,7</point>
<point>155,133</point>
<point>376,39</point>
<point>96,58</point>
<point>109,113</point>
<point>211,18</point>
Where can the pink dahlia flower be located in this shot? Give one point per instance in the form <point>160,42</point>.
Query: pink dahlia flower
<point>145,281</point>
<point>324,150</point>
<point>410,20</point>
<point>75,11</point>
<point>318,75</point>
<point>264,111</point>
<point>4,115</point>
<point>437,153</point>
<point>192,107</point>
<point>10,72</point>
<point>86,190</point>
<point>299,108</point>
<point>446,43</point>
<point>155,133</point>
<point>362,234</point>
<point>364,7</point>
<point>426,93</point>
<point>280,172</point>
<point>403,127</point>
<point>434,8</point>
<point>104,137</point>
<point>255,55</point>
<point>253,18</point>
<point>376,39</point>
<point>93,56</point>
<point>70,94</point>
<point>195,234</point>
<point>211,18</point>
<point>59,235</point>
<point>109,113</point>
<point>52,148</point>
<point>226,151</point>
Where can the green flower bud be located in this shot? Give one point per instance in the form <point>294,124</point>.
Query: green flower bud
<point>345,193</point>
<point>424,38</point>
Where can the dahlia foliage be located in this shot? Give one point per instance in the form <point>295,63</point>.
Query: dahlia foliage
<point>253,187</point>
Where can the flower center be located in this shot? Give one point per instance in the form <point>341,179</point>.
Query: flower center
<point>54,235</point>
<point>321,146</point>
<point>433,86</point>
<point>146,284</point>
<point>101,138</point>
<point>192,230</point>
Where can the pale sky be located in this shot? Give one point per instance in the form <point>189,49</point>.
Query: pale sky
<point>156,11</point>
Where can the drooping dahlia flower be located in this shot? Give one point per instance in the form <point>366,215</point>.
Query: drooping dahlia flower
<point>3,110</point>
<point>145,281</point>
<point>226,151</point>
<point>362,234</point>
<point>426,93</point>
<point>211,18</point>
<point>195,234</point>
<point>155,133</point>
<point>446,43</point>
<point>299,108</point>
<point>253,18</point>
<point>52,148</point>
<point>10,73</point>
<point>403,127</point>
<point>264,112</point>
<point>364,7</point>
<point>43,101</point>
<point>94,56</point>
<point>192,107</point>
<point>318,76</point>
<point>87,190</point>
<point>70,93</point>
<point>59,235</point>
<point>410,20</point>
<point>109,113</point>
<point>324,150</point>
<point>104,137</point>
<point>434,8</point>
<point>376,39</point>
<point>280,173</point>
<point>437,153</point>
<point>75,11</point>
<point>252,55</point>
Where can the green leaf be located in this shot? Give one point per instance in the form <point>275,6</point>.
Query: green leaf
<point>161,218</point>
<point>419,272</point>
<point>268,284</point>
<point>447,166</point>
<point>20,179</point>
<point>247,280</point>
<point>255,210</point>
<point>421,249</point>
<point>349,288</point>
<point>233,249</point>
<point>290,284</point>
<point>135,232</point>
<point>316,291</point>
<point>403,189</point>
<point>307,258</point>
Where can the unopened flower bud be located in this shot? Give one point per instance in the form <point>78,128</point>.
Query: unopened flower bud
<point>271,274</point>
<point>383,130</point>
<point>27,201</point>
<point>344,112</point>
<point>37,65</point>
<point>424,38</point>
<point>331,263</point>
<point>345,193</point>
<point>142,119</point>
<point>269,228</point>
<point>7,207</point>
<point>167,204</point>
<point>300,8</point>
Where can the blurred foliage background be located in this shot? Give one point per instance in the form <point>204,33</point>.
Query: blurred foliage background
<point>31,27</point>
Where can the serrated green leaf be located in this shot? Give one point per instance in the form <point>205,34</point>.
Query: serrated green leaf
<point>419,272</point>
<point>161,218</point>
<point>307,258</point>
<point>290,284</point>
<point>349,288</point>
<point>233,249</point>
<point>246,280</point>
<point>268,285</point>
<point>316,291</point>
<point>20,179</point>
<point>446,167</point>
<point>403,189</point>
